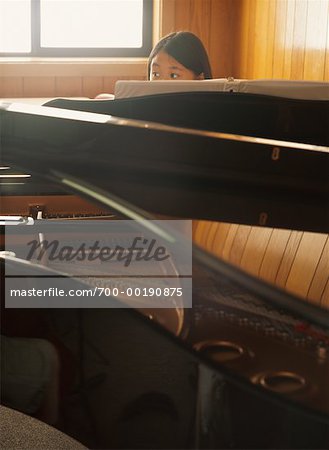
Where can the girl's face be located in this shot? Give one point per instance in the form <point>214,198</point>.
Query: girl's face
<point>165,67</point>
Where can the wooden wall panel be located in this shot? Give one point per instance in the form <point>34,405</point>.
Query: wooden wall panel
<point>320,279</point>
<point>269,32</point>
<point>182,20</point>
<point>59,86</point>
<point>317,19</point>
<point>293,260</point>
<point>214,22</point>
<point>261,38</point>
<point>308,255</point>
<point>299,40</point>
<point>282,39</point>
<point>11,87</point>
<point>325,296</point>
<point>68,86</point>
<point>281,61</point>
<point>274,254</point>
<point>255,249</point>
<point>239,244</point>
<point>229,241</point>
<point>201,19</point>
<point>220,238</point>
<point>39,87</point>
<point>223,30</point>
<point>240,59</point>
<point>91,86</point>
<point>251,36</point>
<point>287,43</point>
<point>326,64</point>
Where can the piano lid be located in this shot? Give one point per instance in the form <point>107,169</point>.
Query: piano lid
<point>248,114</point>
<point>174,171</point>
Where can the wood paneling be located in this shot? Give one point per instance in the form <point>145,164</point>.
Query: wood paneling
<point>293,260</point>
<point>214,22</point>
<point>288,257</point>
<point>261,38</point>
<point>287,37</point>
<point>11,87</point>
<point>325,296</point>
<point>274,255</point>
<point>282,39</point>
<point>220,237</point>
<point>68,80</point>
<point>91,86</point>
<point>320,279</point>
<point>229,242</point>
<point>255,249</point>
<point>39,87</point>
<point>305,263</point>
<point>68,86</point>
<point>317,19</point>
<point>239,244</point>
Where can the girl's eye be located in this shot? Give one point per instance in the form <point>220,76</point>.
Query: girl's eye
<point>174,75</point>
<point>155,74</point>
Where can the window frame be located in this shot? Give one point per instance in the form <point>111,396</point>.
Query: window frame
<point>111,52</point>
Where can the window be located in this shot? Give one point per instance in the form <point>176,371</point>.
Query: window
<point>75,27</point>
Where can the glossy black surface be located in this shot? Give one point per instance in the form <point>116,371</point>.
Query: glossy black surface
<point>228,112</point>
<point>218,177</point>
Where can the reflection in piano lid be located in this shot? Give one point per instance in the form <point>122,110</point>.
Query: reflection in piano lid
<point>211,175</point>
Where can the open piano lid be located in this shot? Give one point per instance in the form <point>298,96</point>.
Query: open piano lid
<point>269,116</point>
<point>174,171</point>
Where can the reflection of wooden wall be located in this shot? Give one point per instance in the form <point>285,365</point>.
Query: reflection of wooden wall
<point>245,39</point>
<point>293,260</point>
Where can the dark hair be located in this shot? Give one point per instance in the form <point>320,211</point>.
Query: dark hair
<point>187,49</point>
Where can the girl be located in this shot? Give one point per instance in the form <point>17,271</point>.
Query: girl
<point>179,56</point>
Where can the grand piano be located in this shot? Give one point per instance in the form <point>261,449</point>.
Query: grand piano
<point>247,365</point>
